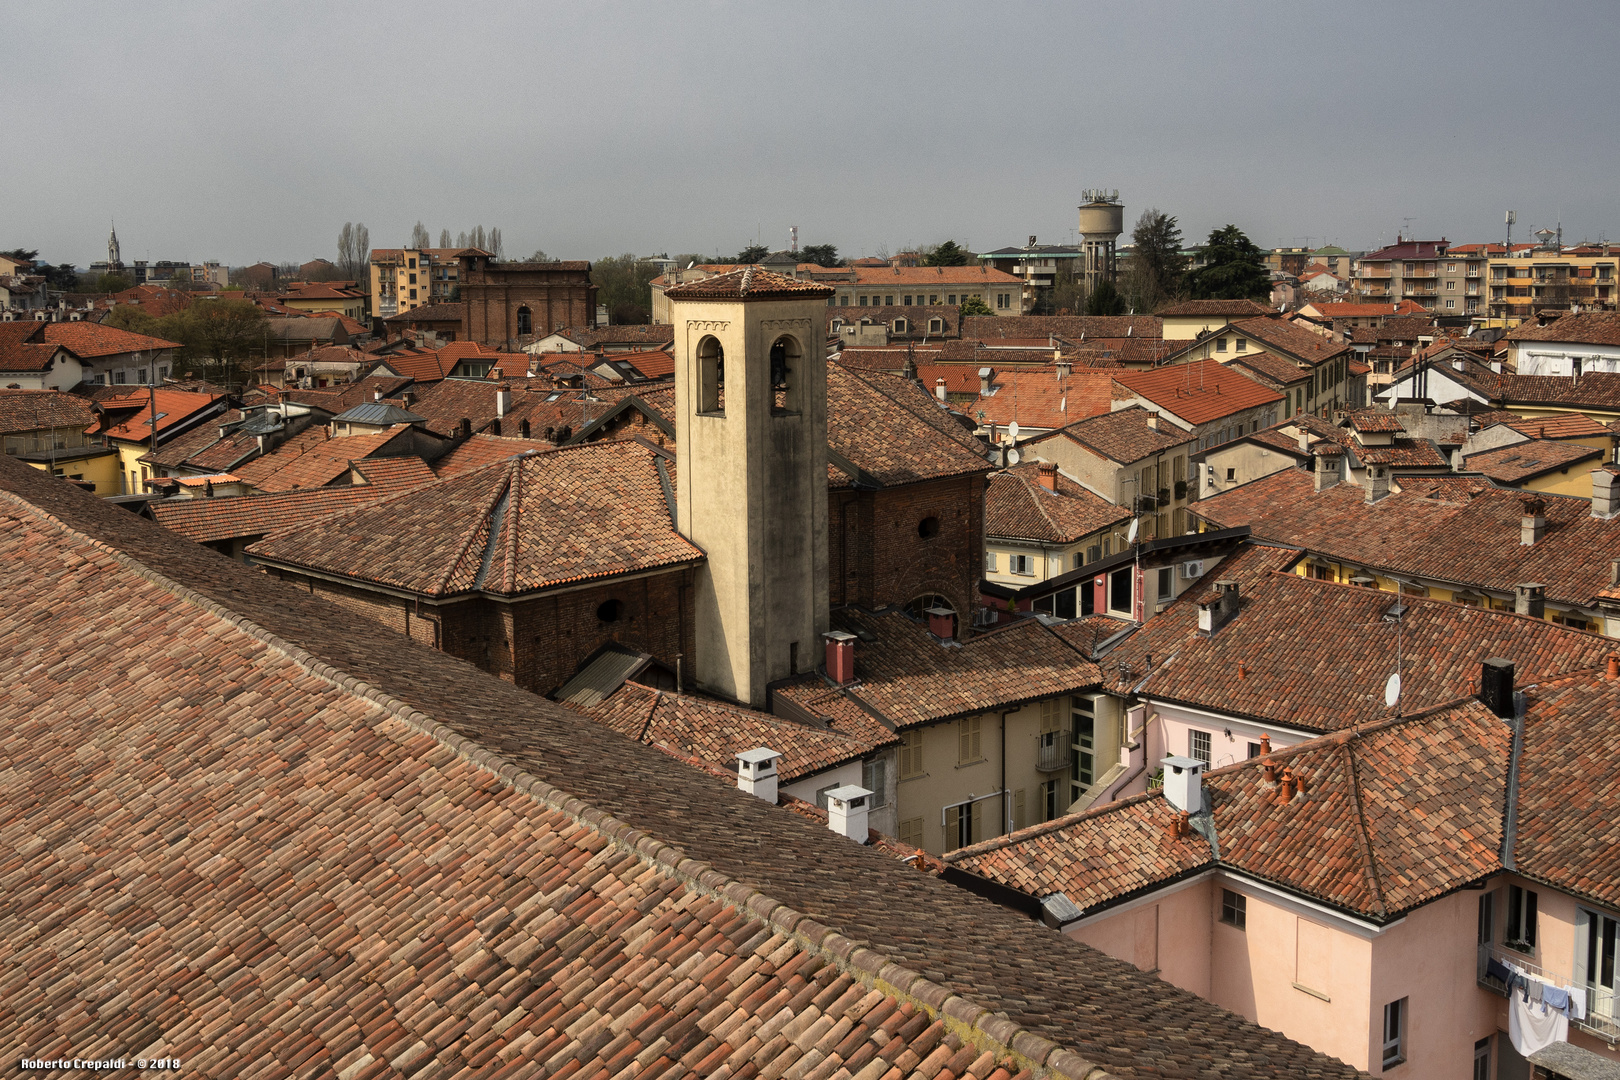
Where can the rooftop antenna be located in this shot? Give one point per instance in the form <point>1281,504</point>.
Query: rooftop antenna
<point>1512,216</point>
<point>793,231</point>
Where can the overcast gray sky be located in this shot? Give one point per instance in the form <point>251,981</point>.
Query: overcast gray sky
<point>254,131</point>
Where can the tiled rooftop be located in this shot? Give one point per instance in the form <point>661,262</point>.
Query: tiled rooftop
<point>907,676</point>
<point>1466,532</point>
<point>33,410</point>
<point>1525,461</point>
<point>530,519</point>
<point>715,732</point>
<point>1038,398</point>
<point>174,407</point>
<point>314,458</point>
<point>1594,328</point>
<point>1198,392</point>
<point>893,431</point>
<point>747,283</point>
<point>1073,328</point>
<point>23,346</point>
<point>1400,813</point>
<point>1229,310</point>
<point>1017,505</point>
<point>442,832</point>
<point>241,516</point>
<point>1124,435</point>
<point>91,340</point>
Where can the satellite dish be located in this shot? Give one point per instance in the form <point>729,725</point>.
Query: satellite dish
<point>1392,690</point>
<point>1131,537</point>
<point>1012,429</point>
<point>1014,457</point>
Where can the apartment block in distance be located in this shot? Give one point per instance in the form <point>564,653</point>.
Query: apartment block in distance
<point>406,278</point>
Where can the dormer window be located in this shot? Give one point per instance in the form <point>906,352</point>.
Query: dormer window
<point>936,326</point>
<point>899,326</point>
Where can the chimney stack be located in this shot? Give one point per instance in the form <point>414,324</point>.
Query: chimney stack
<point>1153,421</point>
<point>1327,471</point>
<point>1048,475</point>
<point>1183,783</point>
<point>840,656</point>
<point>942,623</point>
<point>986,375</point>
<point>1265,744</point>
<point>847,811</point>
<point>376,395</point>
<point>1228,589</point>
<point>939,389</point>
<point>1496,686</point>
<point>1612,668</point>
<point>1377,483</point>
<point>464,428</point>
<point>1063,369</point>
<point>1304,440</point>
<point>523,427</point>
<point>1215,611</point>
<point>1534,524</point>
<point>756,773</point>
<point>1605,494</point>
<point>503,399</point>
<point>1287,788</point>
<point>1530,598</point>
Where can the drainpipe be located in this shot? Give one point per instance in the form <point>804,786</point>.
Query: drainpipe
<point>1004,814</point>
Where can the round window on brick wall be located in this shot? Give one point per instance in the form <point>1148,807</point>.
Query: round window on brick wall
<point>610,611</point>
<point>928,526</point>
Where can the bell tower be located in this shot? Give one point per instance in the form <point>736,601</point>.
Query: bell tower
<point>114,261</point>
<point>751,469</point>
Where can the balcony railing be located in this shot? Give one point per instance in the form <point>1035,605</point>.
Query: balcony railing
<point>1602,1016</point>
<point>1055,756</point>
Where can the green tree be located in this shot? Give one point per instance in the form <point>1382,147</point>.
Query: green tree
<point>112,282</point>
<point>947,254</point>
<point>1105,300</point>
<point>624,285</point>
<point>219,339</point>
<point>821,254</point>
<point>539,256</point>
<point>973,305</point>
<point>131,318</point>
<point>1157,267</point>
<point>752,253</point>
<point>1235,270</point>
<point>21,253</point>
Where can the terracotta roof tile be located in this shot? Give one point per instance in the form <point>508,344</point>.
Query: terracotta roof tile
<point>314,458</point>
<point>23,346</point>
<point>1017,505</point>
<point>33,410</point>
<point>130,414</point>
<point>1595,328</point>
<point>746,283</point>
<point>1040,398</point>
<point>1525,461</point>
<point>560,871</point>
<point>1198,392</point>
<point>1226,309</point>
<point>90,340</point>
<point>240,517</point>
<point>923,276</point>
<point>529,519</point>
<point>1124,435</point>
<point>1441,529</point>
<point>894,431</point>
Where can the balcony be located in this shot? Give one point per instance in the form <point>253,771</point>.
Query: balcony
<point>1054,756</point>
<point>1602,1016</point>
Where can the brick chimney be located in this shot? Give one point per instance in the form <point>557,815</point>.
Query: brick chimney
<point>1048,475</point>
<point>1530,598</point>
<point>840,656</point>
<point>942,623</point>
<point>1377,483</point>
<point>756,773</point>
<point>1605,494</point>
<point>847,811</point>
<point>1496,686</point>
<point>1533,526</point>
<point>1184,783</point>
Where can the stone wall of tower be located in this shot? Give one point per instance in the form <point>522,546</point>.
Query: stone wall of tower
<point>753,491</point>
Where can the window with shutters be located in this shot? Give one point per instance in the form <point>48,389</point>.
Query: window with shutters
<point>911,755</point>
<point>964,824</point>
<point>990,562</point>
<point>875,778</point>
<point>969,743</point>
<point>911,832</point>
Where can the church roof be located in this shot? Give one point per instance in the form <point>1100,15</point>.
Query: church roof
<point>746,284</point>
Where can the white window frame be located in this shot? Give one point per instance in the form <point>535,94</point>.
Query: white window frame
<point>1395,1022</point>
<point>1208,740</point>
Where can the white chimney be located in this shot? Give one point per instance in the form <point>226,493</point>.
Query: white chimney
<point>756,773</point>
<point>1184,783</point>
<point>376,395</point>
<point>503,399</point>
<point>1605,494</point>
<point>847,810</point>
<point>939,389</point>
<point>1153,421</point>
<point>985,376</point>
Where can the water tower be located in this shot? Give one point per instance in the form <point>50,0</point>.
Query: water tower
<point>1102,219</point>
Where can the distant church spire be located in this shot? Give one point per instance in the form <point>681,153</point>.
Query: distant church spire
<point>113,259</point>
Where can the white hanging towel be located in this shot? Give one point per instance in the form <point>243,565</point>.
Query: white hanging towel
<point>1532,1026</point>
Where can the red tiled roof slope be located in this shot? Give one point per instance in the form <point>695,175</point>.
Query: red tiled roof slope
<point>1016,504</point>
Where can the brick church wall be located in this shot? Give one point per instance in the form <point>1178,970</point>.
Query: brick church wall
<point>492,294</point>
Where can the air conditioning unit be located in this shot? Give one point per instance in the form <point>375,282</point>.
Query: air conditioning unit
<point>1192,569</point>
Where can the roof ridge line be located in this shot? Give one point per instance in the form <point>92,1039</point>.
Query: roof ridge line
<point>511,519</point>
<point>1362,835</point>
<point>974,1023</point>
